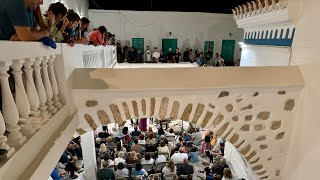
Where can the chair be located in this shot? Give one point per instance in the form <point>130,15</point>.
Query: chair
<point>184,176</point>
<point>112,167</point>
<point>171,139</point>
<point>165,154</point>
<point>161,165</point>
<point>123,178</point>
<point>169,176</point>
<point>147,167</point>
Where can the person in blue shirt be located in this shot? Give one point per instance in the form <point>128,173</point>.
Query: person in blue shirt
<point>194,155</point>
<point>200,60</point>
<point>19,20</point>
<point>138,171</point>
<point>55,175</point>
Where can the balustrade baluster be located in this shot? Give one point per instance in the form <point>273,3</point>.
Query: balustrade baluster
<point>22,100</point>
<point>54,83</point>
<point>3,139</point>
<point>47,85</point>
<point>9,108</point>
<point>41,91</point>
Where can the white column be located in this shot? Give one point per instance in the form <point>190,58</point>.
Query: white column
<point>31,89</point>
<point>9,108</point>
<point>89,155</point>
<point>22,100</point>
<point>54,83</point>
<point>40,90</point>
<point>3,139</point>
<point>47,86</point>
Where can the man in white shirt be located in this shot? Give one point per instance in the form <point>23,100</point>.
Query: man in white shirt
<point>178,157</point>
<point>155,55</point>
<point>148,55</point>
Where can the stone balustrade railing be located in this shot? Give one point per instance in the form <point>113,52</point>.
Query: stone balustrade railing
<point>258,7</point>
<point>33,82</point>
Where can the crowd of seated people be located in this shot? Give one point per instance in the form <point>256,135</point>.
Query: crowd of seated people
<point>68,163</point>
<point>154,155</point>
<point>24,21</point>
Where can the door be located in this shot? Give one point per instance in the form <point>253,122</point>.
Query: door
<point>138,43</point>
<point>227,51</point>
<point>208,44</point>
<point>169,43</point>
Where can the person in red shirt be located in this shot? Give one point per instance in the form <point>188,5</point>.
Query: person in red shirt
<point>97,36</point>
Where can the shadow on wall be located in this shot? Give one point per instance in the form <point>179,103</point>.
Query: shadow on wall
<point>185,44</point>
<point>197,43</point>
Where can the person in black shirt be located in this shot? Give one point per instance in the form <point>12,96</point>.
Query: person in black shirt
<point>186,57</point>
<point>119,53</point>
<point>170,55</point>
<point>217,169</point>
<point>104,134</point>
<point>132,55</point>
<point>185,168</point>
<point>161,58</point>
<point>177,56</point>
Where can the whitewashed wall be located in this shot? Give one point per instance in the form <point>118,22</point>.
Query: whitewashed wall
<point>191,29</point>
<point>254,55</point>
<point>79,6</point>
<point>303,159</point>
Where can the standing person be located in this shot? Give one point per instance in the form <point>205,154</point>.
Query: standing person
<point>197,51</point>
<point>177,56</point>
<point>200,60</point>
<point>221,61</point>
<point>216,60</point>
<point>186,57</point>
<point>191,56</point>
<point>162,59</point>
<point>170,56</point>
<point>97,36</point>
<point>143,124</point>
<point>206,143</point>
<point>132,55</point>
<point>148,55</point>
<point>208,55</point>
<point>155,55</point>
<point>119,53</point>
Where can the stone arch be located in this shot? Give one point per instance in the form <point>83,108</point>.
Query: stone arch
<point>237,117</point>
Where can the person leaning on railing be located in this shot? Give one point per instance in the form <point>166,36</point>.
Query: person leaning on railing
<point>19,21</point>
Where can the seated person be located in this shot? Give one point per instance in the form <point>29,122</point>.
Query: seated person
<point>227,175</point>
<point>114,132</point>
<point>194,155</point>
<point>151,140</point>
<point>97,36</point>
<point>106,158</point>
<point>136,147</point>
<point>171,133</point>
<point>186,137</point>
<point>98,142</point>
<point>163,138</point>
<point>138,171</point>
<point>73,22</point>
<point>55,175</point>
<point>217,169</point>
<point>120,158</point>
<point>103,149</point>
<point>136,132</point>
<point>119,148</point>
<point>110,142</point>
<point>197,137</point>
<point>179,157</point>
<point>185,168</point>
<point>132,157</point>
<point>170,168</point>
<point>105,173</point>
<point>104,133</point>
<point>163,148</point>
<point>160,158</point>
<point>141,140</point>
<point>147,159</point>
<point>184,147</point>
<point>121,171</point>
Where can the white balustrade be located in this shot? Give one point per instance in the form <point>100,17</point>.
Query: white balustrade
<point>9,108</point>
<point>54,83</point>
<point>21,99</point>
<point>41,91</point>
<point>47,85</point>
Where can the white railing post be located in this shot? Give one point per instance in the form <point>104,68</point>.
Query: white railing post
<point>54,83</point>
<point>31,90</point>
<point>41,91</point>
<point>22,100</point>
<point>47,85</point>
<point>9,108</point>
<point>3,139</point>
